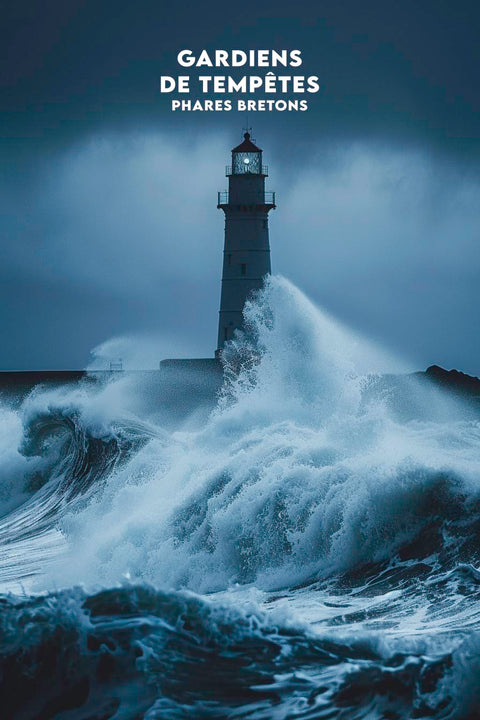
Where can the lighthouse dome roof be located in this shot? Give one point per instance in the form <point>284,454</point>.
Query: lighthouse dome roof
<point>247,145</point>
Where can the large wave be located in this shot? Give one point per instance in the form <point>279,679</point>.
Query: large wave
<point>293,478</point>
<point>336,518</point>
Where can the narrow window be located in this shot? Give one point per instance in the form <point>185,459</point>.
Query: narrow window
<point>264,224</point>
<point>244,268</point>
<point>229,259</point>
<point>225,333</point>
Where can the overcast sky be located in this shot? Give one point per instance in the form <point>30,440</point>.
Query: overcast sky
<point>108,200</point>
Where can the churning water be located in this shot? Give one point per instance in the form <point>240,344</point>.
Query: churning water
<point>302,548</point>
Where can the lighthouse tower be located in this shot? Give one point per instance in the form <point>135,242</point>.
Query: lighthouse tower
<point>246,256</point>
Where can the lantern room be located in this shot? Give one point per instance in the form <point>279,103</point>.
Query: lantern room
<point>246,159</point>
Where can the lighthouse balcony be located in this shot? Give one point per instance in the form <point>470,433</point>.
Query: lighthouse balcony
<point>246,170</point>
<point>247,199</point>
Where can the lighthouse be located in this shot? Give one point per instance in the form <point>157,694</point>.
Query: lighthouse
<point>246,254</point>
<point>246,262</point>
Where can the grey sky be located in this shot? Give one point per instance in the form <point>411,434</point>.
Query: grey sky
<point>109,224</point>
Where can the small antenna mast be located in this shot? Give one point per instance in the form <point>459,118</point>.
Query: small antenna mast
<point>246,129</point>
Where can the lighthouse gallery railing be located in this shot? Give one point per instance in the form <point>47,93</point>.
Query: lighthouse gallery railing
<point>246,170</point>
<point>262,198</point>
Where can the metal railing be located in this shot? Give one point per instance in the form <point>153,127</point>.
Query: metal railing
<point>262,198</point>
<point>246,171</point>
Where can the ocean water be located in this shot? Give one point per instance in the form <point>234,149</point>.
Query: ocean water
<point>302,547</point>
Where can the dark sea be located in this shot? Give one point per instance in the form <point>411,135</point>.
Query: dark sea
<point>298,547</point>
